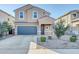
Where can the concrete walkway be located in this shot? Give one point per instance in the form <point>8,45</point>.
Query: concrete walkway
<point>34,50</point>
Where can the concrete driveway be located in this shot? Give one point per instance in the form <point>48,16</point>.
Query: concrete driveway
<point>16,44</point>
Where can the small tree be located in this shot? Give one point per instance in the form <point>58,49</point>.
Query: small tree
<point>5,28</point>
<point>60,29</point>
<point>9,27</point>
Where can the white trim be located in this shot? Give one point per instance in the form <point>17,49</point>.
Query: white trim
<point>23,14</point>
<point>16,30</point>
<point>33,15</point>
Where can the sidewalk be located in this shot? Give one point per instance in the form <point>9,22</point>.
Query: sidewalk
<point>34,50</point>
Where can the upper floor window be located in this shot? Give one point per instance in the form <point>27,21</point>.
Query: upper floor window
<point>43,13</point>
<point>21,14</point>
<point>35,15</point>
<point>74,15</point>
<point>8,19</point>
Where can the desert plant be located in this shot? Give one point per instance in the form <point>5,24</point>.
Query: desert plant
<point>60,29</point>
<point>73,38</point>
<point>43,39</point>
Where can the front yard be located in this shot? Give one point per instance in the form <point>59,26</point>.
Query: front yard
<point>60,40</point>
<point>62,43</point>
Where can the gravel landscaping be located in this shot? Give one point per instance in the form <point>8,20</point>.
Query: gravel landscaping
<point>62,43</point>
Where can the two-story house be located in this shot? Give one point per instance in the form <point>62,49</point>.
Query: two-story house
<point>72,19</point>
<point>4,16</point>
<point>32,20</point>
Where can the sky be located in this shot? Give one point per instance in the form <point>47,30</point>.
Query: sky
<point>56,10</point>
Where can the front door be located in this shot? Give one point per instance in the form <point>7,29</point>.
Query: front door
<point>42,29</point>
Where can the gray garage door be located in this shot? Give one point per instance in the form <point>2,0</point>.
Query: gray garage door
<point>26,30</point>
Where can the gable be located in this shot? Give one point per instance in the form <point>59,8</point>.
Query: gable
<point>46,20</point>
<point>28,7</point>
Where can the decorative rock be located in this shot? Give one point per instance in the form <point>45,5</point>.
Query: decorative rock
<point>65,37</point>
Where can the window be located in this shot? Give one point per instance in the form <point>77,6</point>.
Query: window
<point>43,13</point>
<point>35,15</point>
<point>8,19</point>
<point>74,15</point>
<point>21,14</point>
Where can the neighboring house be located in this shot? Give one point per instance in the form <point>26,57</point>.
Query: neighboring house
<point>72,19</point>
<point>4,16</point>
<point>32,20</point>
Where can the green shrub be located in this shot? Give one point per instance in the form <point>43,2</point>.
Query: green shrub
<point>73,38</point>
<point>60,29</point>
<point>43,39</point>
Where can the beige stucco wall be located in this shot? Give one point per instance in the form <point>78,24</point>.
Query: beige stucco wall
<point>66,19</point>
<point>5,17</point>
<point>49,30</point>
<point>49,22</point>
<point>26,24</point>
<point>74,24</point>
<point>75,27</point>
<point>46,20</point>
<point>28,14</point>
<point>39,21</point>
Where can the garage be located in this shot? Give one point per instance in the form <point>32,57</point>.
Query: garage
<point>26,30</point>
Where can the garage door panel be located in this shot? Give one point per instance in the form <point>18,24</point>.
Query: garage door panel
<point>27,30</point>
